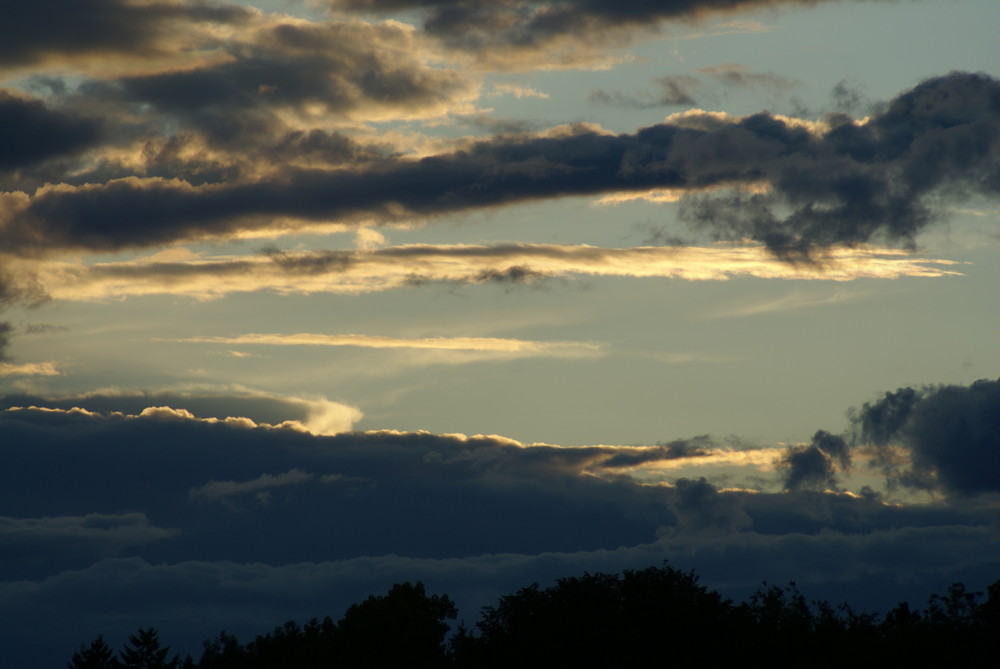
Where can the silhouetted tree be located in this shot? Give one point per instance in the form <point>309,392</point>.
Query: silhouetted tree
<point>98,655</point>
<point>144,652</point>
<point>223,652</point>
<point>404,628</point>
<point>599,620</point>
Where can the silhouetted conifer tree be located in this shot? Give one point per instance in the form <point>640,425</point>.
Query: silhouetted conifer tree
<point>98,655</point>
<point>144,652</point>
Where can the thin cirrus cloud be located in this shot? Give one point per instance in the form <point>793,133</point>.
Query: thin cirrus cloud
<point>374,270</point>
<point>517,347</point>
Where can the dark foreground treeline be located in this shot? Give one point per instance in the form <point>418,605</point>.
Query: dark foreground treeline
<point>599,620</point>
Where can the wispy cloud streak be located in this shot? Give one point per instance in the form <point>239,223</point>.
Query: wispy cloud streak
<point>485,344</point>
<point>374,270</point>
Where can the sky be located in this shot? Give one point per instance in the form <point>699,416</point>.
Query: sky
<point>303,298</point>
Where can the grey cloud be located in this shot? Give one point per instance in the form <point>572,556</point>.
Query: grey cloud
<point>5,331</point>
<point>31,132</point>
<point>106,467</point>
<point>471,516</point>
<point>40,546</point>
<point>16,287</point>
<point>734,74</point>
<point>700,508</point>
<point>206,403</point>
<point>851,184</point>
<point>219,490</point>
<point>679,448</point>
<point>36,31</point>
<point>952,434</point>
<point>496,31</point>
<point>42,328</point>
<point>808,467</point>
<point>674,90</point>
<point>848,98</point>
<point>814,466</point>
<point>188,600</point>
<point>346,66</point>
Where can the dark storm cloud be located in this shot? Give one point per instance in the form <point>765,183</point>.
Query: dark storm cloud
<point>952,434</point>
<point>701,509</point>
<point>31,132</point>
<point>148,518</point>
<point>32,32</point>
<point>808,468</point>
<point>489,29</point>
<point>259,407</point>
<point>52,544</point>
<point>424,495</point>
<point>846,184</point>
<point>814,466</point>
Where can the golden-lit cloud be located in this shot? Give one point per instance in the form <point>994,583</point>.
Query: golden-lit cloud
<point>378,269</point>
<point>517,91</point>
<point>29,369</point>
<point>482,344</point>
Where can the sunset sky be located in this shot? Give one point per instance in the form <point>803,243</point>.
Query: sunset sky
<point>302,298</point>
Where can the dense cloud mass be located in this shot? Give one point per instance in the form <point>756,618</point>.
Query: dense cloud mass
<point>952,434</point>
<point>30,132</point>
<point>169,456</point>
<point>815,465</point>
<point>162,505</point>
<point>844,182</point>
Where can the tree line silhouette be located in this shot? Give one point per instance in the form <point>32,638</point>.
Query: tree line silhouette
<point>597,620</point>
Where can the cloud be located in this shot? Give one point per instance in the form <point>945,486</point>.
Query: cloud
<point>951,434</point>
<point>240,407</point>
<point>475,516</point>
<point>219,490</point>
<point>379,269</point>
<point>25,368</point>
<point>794,300</point>
<point>39,546</point>
<point>813,467</point>
<point>105,29</point>
<point>562,33</point>
<point>845,182</point>
<point>517,91</point>
<point>737,75</point>
<point>674,90</point>
<point>483,346</point>
<point>32,132</point>
<point>342,69</point>
<point>5,330</point>
<point>877,177</point>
